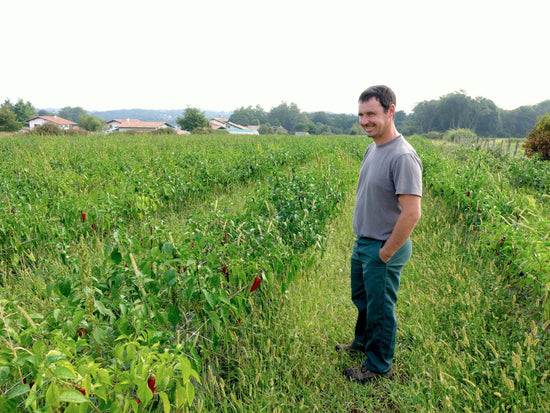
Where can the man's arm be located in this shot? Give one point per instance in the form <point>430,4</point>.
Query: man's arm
<point>410,214</point>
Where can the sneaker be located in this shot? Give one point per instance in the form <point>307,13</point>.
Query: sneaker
<point>362,374</point>
<point>349,348</point>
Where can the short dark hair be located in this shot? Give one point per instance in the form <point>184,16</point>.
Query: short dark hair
<point>381,93</point>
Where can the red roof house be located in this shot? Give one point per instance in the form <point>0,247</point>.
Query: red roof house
<point>56,120</point>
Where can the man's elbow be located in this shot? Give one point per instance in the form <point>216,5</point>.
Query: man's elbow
<point>414,216</point>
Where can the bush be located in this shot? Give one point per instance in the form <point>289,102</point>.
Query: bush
<point>164,131</point>
<point>459,135</point>
<point>434,135</point>
<point>538,140</point>
<point>48,129</point>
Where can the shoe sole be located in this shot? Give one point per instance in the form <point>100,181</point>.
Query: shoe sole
<point>370,379</point>
<point>346,349</point>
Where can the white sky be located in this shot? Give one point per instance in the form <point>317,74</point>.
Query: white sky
<point>223,54</point>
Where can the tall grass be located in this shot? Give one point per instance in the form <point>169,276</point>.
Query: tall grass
<point>466,342</point>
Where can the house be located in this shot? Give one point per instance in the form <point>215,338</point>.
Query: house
<point>56,120</point>
<point>126,125</point>
<point>233,128</point>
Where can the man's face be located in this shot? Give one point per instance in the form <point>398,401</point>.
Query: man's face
<point>373,119</point>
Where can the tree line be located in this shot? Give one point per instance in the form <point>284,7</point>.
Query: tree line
<point>452,111</point>
<point>459,111</point>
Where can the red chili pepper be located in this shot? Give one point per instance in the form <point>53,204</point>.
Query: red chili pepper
<point>151,381</point>
<point>81,390</point>
<point>256,284</point>
<point>82,332</point>
<point>83,216</point>
<point>31,383</point>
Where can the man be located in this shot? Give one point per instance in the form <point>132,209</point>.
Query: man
<point>387,208</point>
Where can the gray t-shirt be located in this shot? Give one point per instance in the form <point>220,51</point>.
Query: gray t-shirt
<point>387,171</point>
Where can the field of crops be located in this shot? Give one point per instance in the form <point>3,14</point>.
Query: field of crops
<point>127,263</point>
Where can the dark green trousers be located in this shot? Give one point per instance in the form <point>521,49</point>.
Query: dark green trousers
<point>374,286</point>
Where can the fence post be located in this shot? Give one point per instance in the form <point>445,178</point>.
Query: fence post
<point>516,151</point>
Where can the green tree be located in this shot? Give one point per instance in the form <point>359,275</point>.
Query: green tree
<point>456,111</point>
<point>356,129</point>
<point>486,118</point>
<point>266,129</point>
<point>518,122</point>
<point>424,118</point>
<point>538,140</point>
<point>8,121</point>
<point>71,113</point>
<point>24,111</point>
<point>7,103</point>
<point>90,123</point>
<point>400,117</point>
<point>287,116</point>
<point>249,116</point>
<point>192,119</point>
<point>320,117</point>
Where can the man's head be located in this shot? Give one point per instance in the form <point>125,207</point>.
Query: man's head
<point>382,94</point>
<point>376,113</point>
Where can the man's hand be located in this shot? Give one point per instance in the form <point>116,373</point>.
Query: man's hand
<point>384,256</point>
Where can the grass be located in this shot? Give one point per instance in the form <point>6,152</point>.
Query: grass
<point>466,340</point>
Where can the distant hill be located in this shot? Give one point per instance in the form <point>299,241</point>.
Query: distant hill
<point>153,115</point>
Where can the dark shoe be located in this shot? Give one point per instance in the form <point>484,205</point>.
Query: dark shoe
<point>349,348</point>
<point>362,375</point>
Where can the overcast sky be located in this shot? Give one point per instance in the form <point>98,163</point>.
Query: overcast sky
<point>224,54</point>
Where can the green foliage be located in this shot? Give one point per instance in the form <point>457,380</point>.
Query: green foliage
<point>48,129</point>
<point>433,135</point>
<point>287,116</point>
<point>71,113</point>
<point>44,112</point>
<point>192,119</point>
<point>125,292</point>
<point>24,111</point>
<point>499,199</point>
<point>8,120</point>
<point>266,129</point>
<point>126,265</point>
<point>90,123</point>
<point>356,129</point>
<point>459,135</point>
<point>249,116</point>
<point>538,140</point>
<point>460,111</point>
<point>164,131</point>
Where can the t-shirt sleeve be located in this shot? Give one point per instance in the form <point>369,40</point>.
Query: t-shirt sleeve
<point>407,175</point>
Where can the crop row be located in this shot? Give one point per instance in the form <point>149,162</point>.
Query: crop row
<point>503,200</point>
<point>50,186</point>
<point>132,305</point>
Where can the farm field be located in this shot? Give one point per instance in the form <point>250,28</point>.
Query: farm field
<point>162,273</point>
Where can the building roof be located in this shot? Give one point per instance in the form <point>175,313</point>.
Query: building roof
<point>138,124</point>
<point>54,119</point>
<point>217,123</point>
<point>121,120</point>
